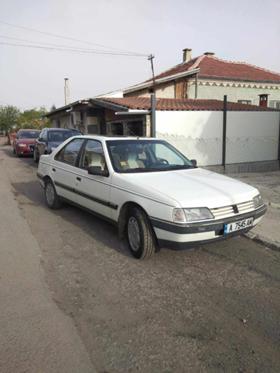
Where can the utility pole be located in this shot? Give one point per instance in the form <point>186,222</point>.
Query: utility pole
<point>66,91</point>
<point>153,99</point>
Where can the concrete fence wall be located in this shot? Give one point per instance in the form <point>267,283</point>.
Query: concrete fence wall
<point>251,136</point>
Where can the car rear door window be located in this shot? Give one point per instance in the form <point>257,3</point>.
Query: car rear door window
<point>69,154</point>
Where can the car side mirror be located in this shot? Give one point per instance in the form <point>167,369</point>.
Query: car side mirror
<point>194,162</point>
<point>40,139</point>
<point>97,170</point>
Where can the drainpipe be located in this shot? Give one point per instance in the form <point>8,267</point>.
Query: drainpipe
<point>196,85</point>
<point>224,131</point>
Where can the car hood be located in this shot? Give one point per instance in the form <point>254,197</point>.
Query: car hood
<point>189,188</point>
<point>26,141</point>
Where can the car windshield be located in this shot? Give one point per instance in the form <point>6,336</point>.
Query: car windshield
<point>60,136</point>
<point>129,156</point>
<point>28,134</point>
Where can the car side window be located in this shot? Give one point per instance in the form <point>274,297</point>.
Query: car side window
<point>93,155</point>
<point>69,153</point>
<point>43,135</point>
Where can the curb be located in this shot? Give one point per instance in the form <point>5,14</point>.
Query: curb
<point>273,245</point>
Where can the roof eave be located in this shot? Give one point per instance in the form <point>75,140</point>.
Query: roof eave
<point>106,104</point>
<point>161,80</point>
<point>225,78</point>
<point>65,107</point>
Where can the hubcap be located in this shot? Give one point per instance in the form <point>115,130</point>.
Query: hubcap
<point>133,233</point>
<point>50,194</point>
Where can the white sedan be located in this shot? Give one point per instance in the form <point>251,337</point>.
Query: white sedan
<point>153,193</point>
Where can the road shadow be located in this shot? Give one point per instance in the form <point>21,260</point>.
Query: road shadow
<point>96,228</point>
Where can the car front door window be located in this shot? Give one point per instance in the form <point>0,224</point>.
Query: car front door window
<point>94,190</point>
<point>93,156</point>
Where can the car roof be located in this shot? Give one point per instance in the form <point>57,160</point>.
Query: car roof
<point>119,138</point>
<point>28,129</point>
<point>61,129</point>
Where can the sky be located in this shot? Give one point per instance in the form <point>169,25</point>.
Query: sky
<point>240,30</point>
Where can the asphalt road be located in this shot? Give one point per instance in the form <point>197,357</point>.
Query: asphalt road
<point>211,309</point>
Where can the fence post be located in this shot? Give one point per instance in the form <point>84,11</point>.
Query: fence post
<point>224,131</point>
<point>153,114</point>
<point>279,142</point>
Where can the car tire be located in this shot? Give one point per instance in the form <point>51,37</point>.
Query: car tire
<point>35,156</point>
<point>139,233</point>
<point>52,199</point>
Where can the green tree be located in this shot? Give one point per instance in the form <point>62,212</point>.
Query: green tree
<point>33,118</point>
<point>8,117</point>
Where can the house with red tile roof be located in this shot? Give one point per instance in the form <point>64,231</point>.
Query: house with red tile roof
<point>209,77</point>
<point>199,128</point>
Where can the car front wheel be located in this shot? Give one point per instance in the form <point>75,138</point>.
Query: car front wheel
<point>51,197</point>
<point>35,156</point>
<point>140,236</point>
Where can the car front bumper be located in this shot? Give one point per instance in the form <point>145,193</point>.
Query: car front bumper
<point>28,150</point>
<point>180,236</point>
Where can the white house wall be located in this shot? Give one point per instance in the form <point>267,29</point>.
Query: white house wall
<point>197,134</point>
<point>235,91</point>
<point>164,92</point>
<point>252,136</point>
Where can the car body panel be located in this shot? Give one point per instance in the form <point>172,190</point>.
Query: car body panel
<point>44,146</point>
<point>157,193</point>
<point>25,145</point>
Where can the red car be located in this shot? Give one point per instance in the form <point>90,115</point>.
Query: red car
<point>25,141</point>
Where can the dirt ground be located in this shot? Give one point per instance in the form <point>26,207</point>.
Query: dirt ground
<point>211,309</point>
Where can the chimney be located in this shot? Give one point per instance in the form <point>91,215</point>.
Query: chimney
<point>187,54</point>
<point>263,100</point>
<point>66,91</point>
<point>209,54</point>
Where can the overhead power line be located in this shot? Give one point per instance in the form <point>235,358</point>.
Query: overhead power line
<point>71,38</point>
<point>72,50</point>
<point>64,47</point>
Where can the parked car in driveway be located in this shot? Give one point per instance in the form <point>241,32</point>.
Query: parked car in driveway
<point>24,142</point>
<point>152,192</point>
<point>50,138</point>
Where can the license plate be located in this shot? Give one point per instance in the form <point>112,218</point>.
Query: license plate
<point>238,225</point>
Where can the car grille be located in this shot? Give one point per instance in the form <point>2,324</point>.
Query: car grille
<point>228,211</point>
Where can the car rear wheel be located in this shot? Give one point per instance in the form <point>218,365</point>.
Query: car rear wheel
<point>140,236</point>
<point>51,197</point>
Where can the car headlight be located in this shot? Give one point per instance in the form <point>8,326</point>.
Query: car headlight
<point>191,215</point>
<point>258,201</point>
<point>22,145</point>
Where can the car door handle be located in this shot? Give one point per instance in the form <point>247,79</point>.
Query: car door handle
<point>78,178</point>
<point>54,169</point>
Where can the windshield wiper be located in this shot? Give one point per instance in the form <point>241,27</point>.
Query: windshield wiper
<point>178,167</point>
<point>137,169</point>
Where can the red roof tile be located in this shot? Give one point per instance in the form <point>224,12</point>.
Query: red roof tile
<point>215,68</point>
<point>143,103</point>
